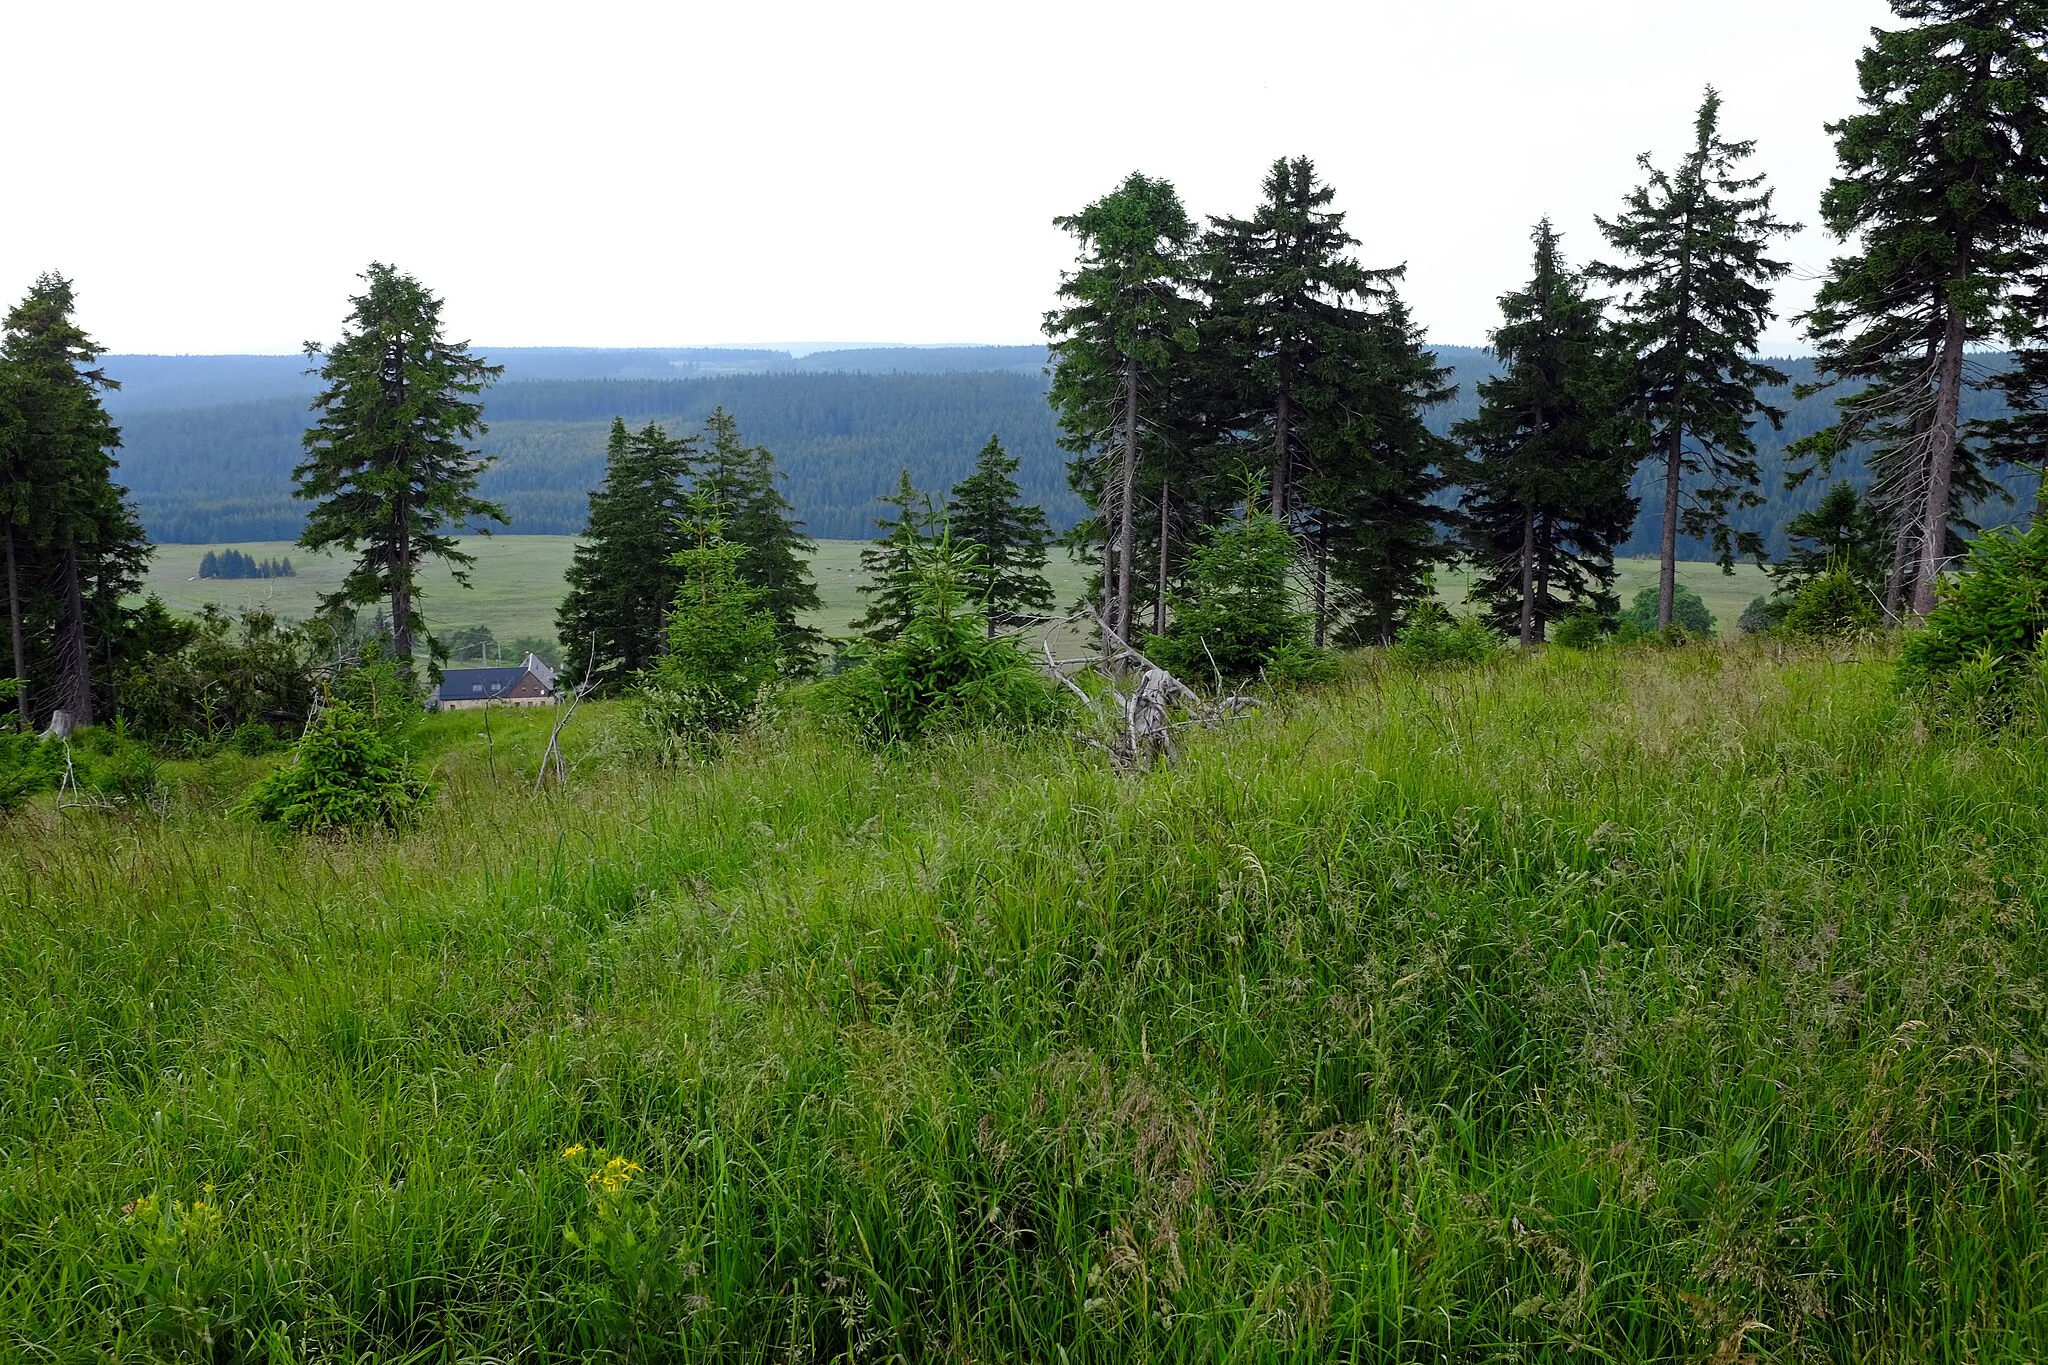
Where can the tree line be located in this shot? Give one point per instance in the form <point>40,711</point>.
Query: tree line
<point>239,564</point>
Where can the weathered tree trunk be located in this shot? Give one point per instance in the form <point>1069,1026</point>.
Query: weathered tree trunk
<point>14,625</point>
<point>74,663</point>
<point>1941,455</point>
<point>1322,582</point>
<point>1667,554</point>
<point>1282,456</point>
<point>1528,622</point>
<point>1159,592</point>
<point>1127,501</point>
<point>1543,550</point>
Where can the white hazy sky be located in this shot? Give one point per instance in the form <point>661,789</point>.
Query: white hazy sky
<point>617,174</point>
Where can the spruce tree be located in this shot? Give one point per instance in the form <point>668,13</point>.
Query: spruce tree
<point>1941,186</point>
<point>388,463</point>
<point>73,548</point>
<point>1006,576</point>
<point>623,575</point>
<point>743,486</point>
<point>1126,314</point>
<point>1696,284</point>
<point>1546,489</point>
<point>1843,531</point>
<point>723,646</point>
<point>892,562</point>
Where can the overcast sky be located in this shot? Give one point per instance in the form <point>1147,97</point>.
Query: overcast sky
<point>212,176</point>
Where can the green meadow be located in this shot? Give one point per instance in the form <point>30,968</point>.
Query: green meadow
<point>1638,1005</point>
<point>517,583</point>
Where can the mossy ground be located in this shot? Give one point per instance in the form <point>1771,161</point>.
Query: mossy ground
<point>1636,1005</point>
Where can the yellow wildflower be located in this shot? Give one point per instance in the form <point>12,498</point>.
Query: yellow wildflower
<point>573,1150</point>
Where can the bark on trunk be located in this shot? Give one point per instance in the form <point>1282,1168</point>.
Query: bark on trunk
<point>74,664</point>
<point>14,626</point>
<point>1127,501</point>
<point>1159,592</point>
<point>1543,549</point>
<point>1322,584</point>
<point>1667,561</point>
<point>1281,473</point>
<point>1941,459</point>
<point>1528,622</point>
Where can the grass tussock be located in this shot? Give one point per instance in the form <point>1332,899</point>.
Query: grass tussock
<point>1626,1005</point>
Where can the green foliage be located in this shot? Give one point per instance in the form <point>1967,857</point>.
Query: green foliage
<point>942,673</point>
<point>1982,641</point>
<point>722,651</point>
<point>27,765</point>
<point>1763,615</point>
<point>388,465</point>
<point>1006,576</point>
<point>1432,636</point>
<point>1831,604</point>
<point>236,564</point>
<point>345,775</point>
<point>1845,532</point>
<point>71,538</point>
<point>1581,630</point>
<point>1548,478</point>
<point>220,673</point>
<point>1688,613</point>
<point>893,564</point>
<point>252,739</point>
<point>742,481</point>
<point>1696,296</point>
<point>624,574</point>
<point>114,768</point>
<point>1235,613</point>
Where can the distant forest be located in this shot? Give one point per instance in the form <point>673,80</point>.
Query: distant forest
<point>204,469</point>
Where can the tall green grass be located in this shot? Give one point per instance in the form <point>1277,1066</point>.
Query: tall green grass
<point>1624,1006</point>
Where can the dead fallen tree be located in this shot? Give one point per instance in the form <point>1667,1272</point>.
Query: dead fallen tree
<point>1150,703</point>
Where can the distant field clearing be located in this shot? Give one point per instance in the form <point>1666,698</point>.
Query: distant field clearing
<point>517,583</point>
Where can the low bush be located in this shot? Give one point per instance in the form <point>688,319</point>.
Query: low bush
<point>346,774</point>
<point>1980,652</point>
<point>1688,613</point>
<point>1763,615</point>
<point>1831,605</point>
<point>942,672</point>
<point>1434,636</point>
<point>1580,630</point>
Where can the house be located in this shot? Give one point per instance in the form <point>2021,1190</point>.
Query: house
<point>531,683</point>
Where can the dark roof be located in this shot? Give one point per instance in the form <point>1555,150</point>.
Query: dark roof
<point>474,684</point>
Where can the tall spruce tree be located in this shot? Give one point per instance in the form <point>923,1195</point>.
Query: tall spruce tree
<point>388,465</point>
<point>893,563</point>
<point>1696,284</point>
<point>1290,317</point>
<point>743,488</point>
<point>1546,490</point>
<point>72,545</point>
<point>1006,575</point>
<point>623,576</point>
<point>1942,180</point>
<point>1126,315</point>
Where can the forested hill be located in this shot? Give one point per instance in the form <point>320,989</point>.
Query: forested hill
<point>841,424</point>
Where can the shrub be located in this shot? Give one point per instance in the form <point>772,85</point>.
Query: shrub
<point>346,774</point>
<point>115,769</point>
<point>1763,615</point>
<point>1432,635</point>
<point>942,672</point>
<point>1236,615</point>
<point>252,739</point>
<point>1831,605</point>
<point>1688,613</point>
<point>1982,645</point>
<point>723,654</point>
<point>27,766</point>
<point>1580,630</point>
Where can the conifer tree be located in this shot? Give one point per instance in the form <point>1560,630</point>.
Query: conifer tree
<point>388,463</point>
<point>1696,284</point>
<point>1125,315</point>
<point>892,563</point>
<point>741,481</point>
<point>1842,532</point>
<point>723,646</point>
<point>72,546</point>
<point>1006,576</point>
<point>1942,181</point>
<point>623,575</point>
<point>1546,490</point>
